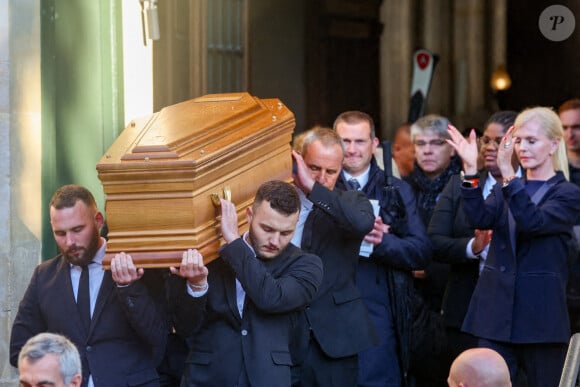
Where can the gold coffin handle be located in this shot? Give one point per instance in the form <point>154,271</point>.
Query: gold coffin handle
<point>228,193</point>
<point>215,198</point>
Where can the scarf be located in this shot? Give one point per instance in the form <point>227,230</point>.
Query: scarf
<point>427,191</point>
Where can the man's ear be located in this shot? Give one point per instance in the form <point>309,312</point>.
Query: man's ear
<point>374,144</point>
<point>99,219</point>
<point>249,214</point>
<point>76,381</point>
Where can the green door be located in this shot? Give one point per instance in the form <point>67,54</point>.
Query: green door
<point>82,95</point>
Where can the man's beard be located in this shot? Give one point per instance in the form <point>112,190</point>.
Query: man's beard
<point>256,245</point>
<point>87,255</point>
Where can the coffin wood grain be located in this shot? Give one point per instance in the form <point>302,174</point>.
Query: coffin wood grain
<point>159,174</point>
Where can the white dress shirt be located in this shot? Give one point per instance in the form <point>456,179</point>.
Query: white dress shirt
<point>305,208</point>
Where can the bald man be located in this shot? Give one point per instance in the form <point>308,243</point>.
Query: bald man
<point>479,367</point>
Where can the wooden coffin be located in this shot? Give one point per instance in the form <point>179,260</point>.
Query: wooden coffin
<point>160,174</point>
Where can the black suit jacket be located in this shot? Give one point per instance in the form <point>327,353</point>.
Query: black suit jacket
<point>450,232</point>
<point>334,230</point>
<point>223,343</point>
<point>128,331</point>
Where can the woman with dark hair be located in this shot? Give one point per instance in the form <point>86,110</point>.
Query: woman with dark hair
<point>518,307</point>
<point>457,243</point>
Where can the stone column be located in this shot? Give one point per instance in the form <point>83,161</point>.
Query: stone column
<point>437,37</point>
<point>498,33</point>
<point>20,152</point>
<point>396,50</point>
<point>471,58</point>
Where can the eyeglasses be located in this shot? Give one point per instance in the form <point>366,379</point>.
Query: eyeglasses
<point>486,140</point>
<point>435,143</point>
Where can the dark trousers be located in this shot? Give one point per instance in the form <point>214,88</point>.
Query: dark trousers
<point>320,370</point>
<point>458,342</point>
<point>378,366</point>
<point>171,368</point>
<point>542,363</point>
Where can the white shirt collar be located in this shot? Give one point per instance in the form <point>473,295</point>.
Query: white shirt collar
<point>306,203</point>
<point>245,238</point>
<point>362,179</point>
<point>101,252</point>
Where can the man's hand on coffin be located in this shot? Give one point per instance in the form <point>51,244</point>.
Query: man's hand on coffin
<point>302,178</point>
<point>229,221</point>
<point>192,269</point>
<point>124,271</point>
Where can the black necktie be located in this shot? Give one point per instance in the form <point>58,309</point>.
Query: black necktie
<point>354,184</point>
<point>84,299</point>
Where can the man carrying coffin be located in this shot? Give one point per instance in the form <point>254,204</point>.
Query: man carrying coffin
<point>242,312</point>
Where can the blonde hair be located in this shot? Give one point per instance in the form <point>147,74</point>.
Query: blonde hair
<point>551,125</point>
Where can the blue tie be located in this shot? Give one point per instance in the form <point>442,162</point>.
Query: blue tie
<point>354,184</point>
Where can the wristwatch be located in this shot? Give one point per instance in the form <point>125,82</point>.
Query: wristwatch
<point>469,181</point>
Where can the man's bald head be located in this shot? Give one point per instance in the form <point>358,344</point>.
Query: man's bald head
<point>479,367</point>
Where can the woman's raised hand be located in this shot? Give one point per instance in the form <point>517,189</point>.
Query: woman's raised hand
<point>465,148</point>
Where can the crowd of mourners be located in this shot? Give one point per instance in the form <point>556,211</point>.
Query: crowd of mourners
<point>455,262</point>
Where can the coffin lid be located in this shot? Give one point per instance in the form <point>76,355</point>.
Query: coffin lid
<point>161,174</point>
<point>197,130</point>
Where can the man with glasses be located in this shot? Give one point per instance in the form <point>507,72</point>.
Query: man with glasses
<point>435,163</point>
